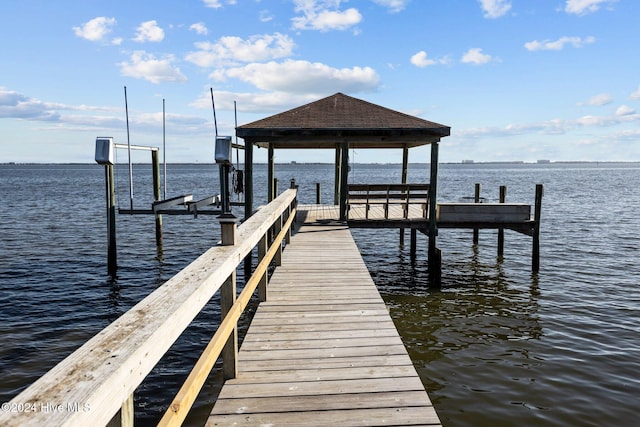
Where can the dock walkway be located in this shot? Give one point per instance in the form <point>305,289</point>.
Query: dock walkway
<point>323,350</point>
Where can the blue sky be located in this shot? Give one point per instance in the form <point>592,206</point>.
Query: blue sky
<point>515,79</point>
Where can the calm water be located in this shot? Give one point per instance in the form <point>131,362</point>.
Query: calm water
<point>495,346</point>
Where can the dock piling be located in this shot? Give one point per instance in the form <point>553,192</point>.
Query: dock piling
<point>503,198</point>
<point>155,162</point>
<point>535,256</point>
<point>112,252</point>
<point>476,199</point>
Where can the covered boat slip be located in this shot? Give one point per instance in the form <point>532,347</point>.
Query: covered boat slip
<point>322,350</point>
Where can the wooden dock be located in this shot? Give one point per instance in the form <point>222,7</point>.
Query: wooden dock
<point>323,350</point>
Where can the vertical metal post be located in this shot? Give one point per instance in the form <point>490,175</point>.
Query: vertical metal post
<point>126,109</point>
<point>164,151</point>
<point>112,255</point>
<point>535,256</point>
<point>503,198</point>
<point>318,198</point>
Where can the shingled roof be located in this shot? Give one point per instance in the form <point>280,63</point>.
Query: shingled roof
<point>341,118</point>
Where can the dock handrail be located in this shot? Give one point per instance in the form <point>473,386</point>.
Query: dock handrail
<point>95,384</point>
<point>389,194</point>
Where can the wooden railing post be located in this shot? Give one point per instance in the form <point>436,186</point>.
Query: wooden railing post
<point>287,237</point>
<point>263,245</point>
<point>125,416</point>
<point>227,299</point>
<point>277,227</point>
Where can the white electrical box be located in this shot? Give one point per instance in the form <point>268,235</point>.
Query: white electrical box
<point>104,150</point>
<point>223,149</point>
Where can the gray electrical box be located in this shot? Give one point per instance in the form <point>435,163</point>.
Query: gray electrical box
<point>104,150</point>
<point>223,149</point>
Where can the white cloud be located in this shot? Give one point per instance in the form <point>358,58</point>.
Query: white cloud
<point>254,102</point>
<point>599,100</point>
<point>232,49</point>
<point>559,44</point>
<point>495,8</point>
<point>625,110</point>
<point>323,15</point>
<point>475,56</point>
<point>17,105</point>
<point>636,95</point>
<point>146,66</point>
<point>553,126</point>
<point>216,4</point>
<point>149,31</point>
<point>420,60</point>
<point>393,5</point>
<point>303,77</point>
<point>96,29</point>
<point>200,28</point>
<point>265,16</point>
<point>583,7</point>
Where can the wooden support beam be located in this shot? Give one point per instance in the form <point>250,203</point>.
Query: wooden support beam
<point>476,199</point>
<point>503,199</point>
<point>344,178</point>
<point>435,257</point>
<point>535,256</point>
<point>112,252</point>
<point>337,176</point>
<point>270,173</point>
<point>155,167</point>
<point>263,245</point>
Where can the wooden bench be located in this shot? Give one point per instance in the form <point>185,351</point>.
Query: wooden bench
<point>386,195</point>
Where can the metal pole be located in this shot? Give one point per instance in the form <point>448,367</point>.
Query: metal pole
<point>126,109</point>
<point>164,150</point>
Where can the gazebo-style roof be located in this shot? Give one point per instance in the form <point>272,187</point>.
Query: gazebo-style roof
<point>340,118</point>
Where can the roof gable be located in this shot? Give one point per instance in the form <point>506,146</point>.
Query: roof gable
<point>338,117</point>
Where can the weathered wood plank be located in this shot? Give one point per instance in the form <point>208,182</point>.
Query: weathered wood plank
<point>323,350</point>
<point>307,403</point>
<point>414,416</point>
